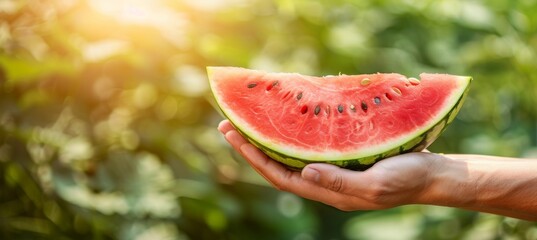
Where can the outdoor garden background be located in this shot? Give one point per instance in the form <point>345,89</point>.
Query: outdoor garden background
<point>107,128</point>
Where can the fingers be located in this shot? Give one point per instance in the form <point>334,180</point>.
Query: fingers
<point>266,167</point>
<point>258,160</point>
<point>231,135</point>
<point>235,139</point>
<point>319,182</point>
<point>286,180</point>
<point>225,126</point>
<point>275,173</point>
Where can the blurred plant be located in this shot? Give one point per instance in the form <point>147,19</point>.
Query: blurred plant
<point>107,128</point>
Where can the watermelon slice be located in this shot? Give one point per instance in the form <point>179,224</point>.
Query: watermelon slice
<point>350,121</point>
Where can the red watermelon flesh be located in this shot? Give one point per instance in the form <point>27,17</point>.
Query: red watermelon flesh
<point>333,118</point>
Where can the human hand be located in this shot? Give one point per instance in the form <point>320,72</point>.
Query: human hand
<point>391,182</point>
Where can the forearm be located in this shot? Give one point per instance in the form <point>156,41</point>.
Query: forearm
<point>504,186</point>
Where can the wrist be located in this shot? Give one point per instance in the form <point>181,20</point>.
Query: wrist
<point>495,185</point>
<point>450,183</point>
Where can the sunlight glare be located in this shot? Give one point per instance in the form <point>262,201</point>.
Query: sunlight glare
<point>152,13</point>
<point>129,11</point>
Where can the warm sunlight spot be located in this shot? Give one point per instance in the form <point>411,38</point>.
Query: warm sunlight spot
<point>151,13</point>
<point>132,11</point>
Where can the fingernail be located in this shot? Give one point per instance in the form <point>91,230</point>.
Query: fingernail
<point>220,128</point>
<point>310,174</point>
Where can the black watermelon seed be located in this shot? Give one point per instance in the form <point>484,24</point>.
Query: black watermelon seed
<point>275,83</point>
<point>376,100</point>
<point>252,85</point>
<point>352,107</point>
<point>317,110</point>
<point>340,108</point>
<point>364,106</point>
<point>299,96</point>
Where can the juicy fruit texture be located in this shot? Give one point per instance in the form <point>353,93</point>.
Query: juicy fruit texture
<point>350,121</point>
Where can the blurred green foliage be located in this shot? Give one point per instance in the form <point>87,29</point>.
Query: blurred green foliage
<point>107,129</point>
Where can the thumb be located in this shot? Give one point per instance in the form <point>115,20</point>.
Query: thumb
<point>330,176</point>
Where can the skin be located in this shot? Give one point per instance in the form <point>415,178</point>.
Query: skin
<point>498,185</point>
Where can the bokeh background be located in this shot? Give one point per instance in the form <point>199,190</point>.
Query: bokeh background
<point>108,131</point>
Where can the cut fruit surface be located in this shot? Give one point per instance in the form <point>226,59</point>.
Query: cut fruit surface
<point>351,121</point>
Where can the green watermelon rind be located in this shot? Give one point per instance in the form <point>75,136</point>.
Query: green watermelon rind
<point>416,144</point>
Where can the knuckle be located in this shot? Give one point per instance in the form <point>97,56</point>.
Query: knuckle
<point>336,184</point>
<point>378,192</point>
<point>375,195</point>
